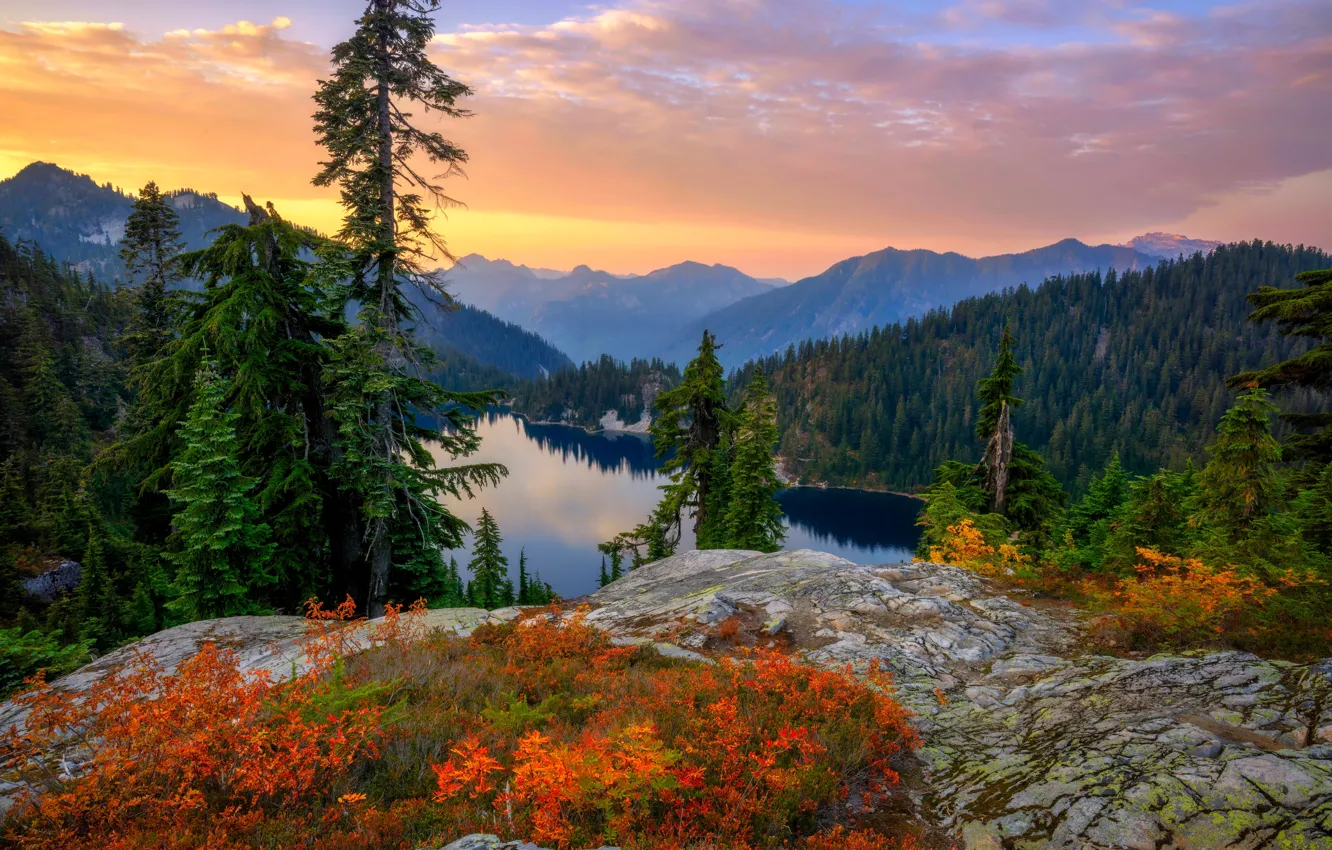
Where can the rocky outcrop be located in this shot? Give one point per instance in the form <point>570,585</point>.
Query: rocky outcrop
<point>1028,742</point>
<point>50,585</point>
<point>492,842</point>
<point>271,644</point>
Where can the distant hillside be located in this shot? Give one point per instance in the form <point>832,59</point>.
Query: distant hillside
<point>75,220</point>
<point>588,313</point>
<point>1134,362</point>
<point>879,289</point>
<point>80,222</point>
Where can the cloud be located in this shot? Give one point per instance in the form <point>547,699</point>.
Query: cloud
<point>812,121</point>
<point>787,112</point>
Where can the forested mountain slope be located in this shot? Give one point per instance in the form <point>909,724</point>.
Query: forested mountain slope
<point>881,288</point>
<point>74,220</point>
<point>1135,362</point>
<point>77,221</point>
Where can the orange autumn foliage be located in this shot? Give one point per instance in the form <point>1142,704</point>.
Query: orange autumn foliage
<point>542,730</point>
<point>965,546</point>
<point>739,753</point>
<point>1180,600</point>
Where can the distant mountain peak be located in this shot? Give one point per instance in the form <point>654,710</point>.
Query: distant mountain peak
<point>1169,245</point>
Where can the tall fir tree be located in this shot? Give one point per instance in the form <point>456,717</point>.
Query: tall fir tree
<point>221,548</point>
<point>691,419</point>
<point>149,250</point>
<point>753,515</point>
<point>604,578</point>
<point>996,391</point>
<point>379,392</point>
<point>491,586</point>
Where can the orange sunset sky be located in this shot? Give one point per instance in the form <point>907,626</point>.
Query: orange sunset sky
<point>778,136</point>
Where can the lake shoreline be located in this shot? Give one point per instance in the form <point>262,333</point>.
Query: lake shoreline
<point>782,476</point>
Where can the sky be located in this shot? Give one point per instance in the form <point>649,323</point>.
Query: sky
<point>777,136</point>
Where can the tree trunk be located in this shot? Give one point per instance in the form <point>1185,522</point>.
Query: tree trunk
<point>998,457</point>
<point>381,548</point>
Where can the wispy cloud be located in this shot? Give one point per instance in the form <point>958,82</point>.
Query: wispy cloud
<point>798,116</point>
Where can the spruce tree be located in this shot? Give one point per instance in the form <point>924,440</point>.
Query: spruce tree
<point>149,250</point>
<point>753,516</point>
<point>604,578</point>
<point>490,586</point>
<point>1240,482</point>
<point>376,375</point>
<point>221,549</point>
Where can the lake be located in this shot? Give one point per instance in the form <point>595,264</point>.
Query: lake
<point>569,490</point>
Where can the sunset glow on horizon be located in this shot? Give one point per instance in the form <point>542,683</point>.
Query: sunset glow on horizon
<point>777,136</point>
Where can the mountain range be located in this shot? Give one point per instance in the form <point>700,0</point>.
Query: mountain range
<point>75,220</point>
<point>881,288</point>
<point>584,313</point>
<point>587,313</point>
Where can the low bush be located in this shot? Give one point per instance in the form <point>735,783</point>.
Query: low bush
<point>543,731</point>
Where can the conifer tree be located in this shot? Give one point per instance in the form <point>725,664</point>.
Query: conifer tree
<point>371,142</point>
<point>149,250</point>
<point>222,549</point>
<point>690,422</point>
<point>1305,313</point>
<point>753,516</point>
<point>490,586</point>
<point>1089,523</point>
<point>604,578</point>
<point>265,317</point>
<point>523,591</point>
<point>1240,482</point>
<point>995,392</point>
<point>713,533</point>
<point>54,420</point>
<point>98,605</point>
<point>15,513</point>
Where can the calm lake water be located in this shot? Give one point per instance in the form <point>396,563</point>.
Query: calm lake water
<point>569,490</point>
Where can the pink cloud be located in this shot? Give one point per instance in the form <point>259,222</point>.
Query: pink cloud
<point>793,115</point>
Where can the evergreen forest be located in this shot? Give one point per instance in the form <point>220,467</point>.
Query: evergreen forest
<point>1134,364</point>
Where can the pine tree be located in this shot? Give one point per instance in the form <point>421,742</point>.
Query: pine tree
<point>490,586</point>
<point>371,142</point>
<point>1240,482</point>
<point>604,578</point>
<point>149,250</point>
<point>753,516</point>
<point>222,549</point>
